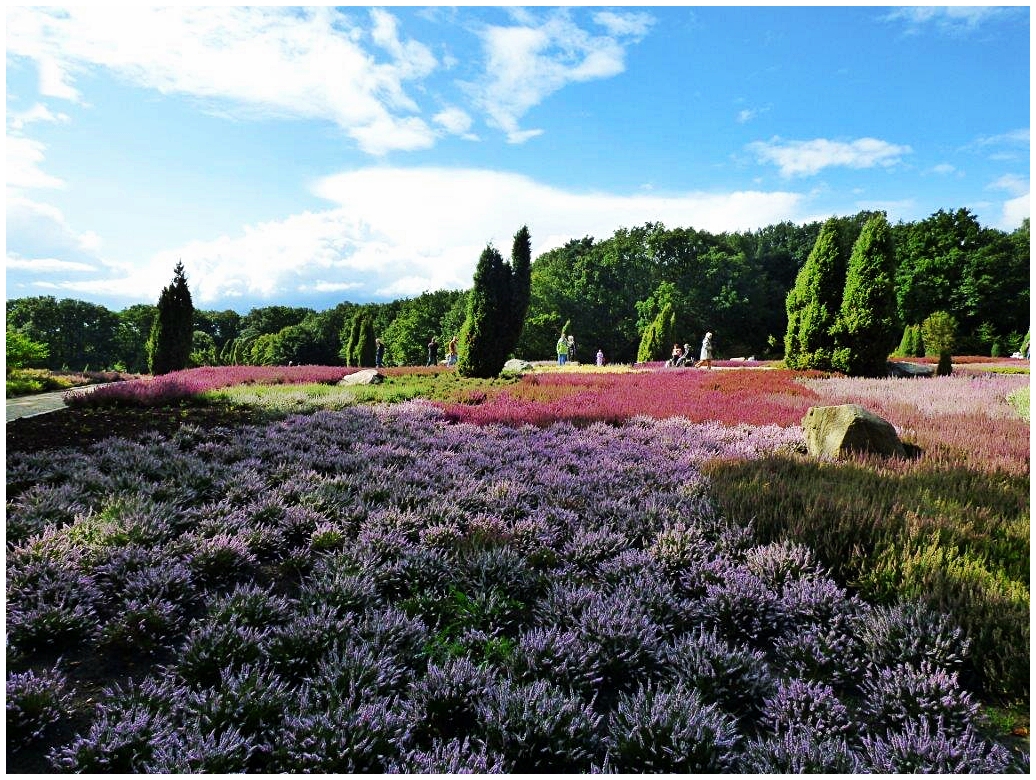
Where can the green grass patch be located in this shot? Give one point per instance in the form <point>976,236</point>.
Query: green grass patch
<point>275,400</point>
<point>955,538</point>
<point>1020,400</point>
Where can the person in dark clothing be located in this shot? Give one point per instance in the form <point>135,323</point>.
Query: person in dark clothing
<point>379,353</point>
<point>433,352</point>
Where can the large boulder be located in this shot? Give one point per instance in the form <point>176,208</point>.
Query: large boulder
<point>366,376</point>
<point>899,368</point>
<point>516,366</point>
<point>835,431</point>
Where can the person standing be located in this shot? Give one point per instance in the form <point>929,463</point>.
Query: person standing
<point>451,357</point>
<point>379,353</point>
<point>572,348</point>
<point>600,357</point>
<point>706,351</point>
<point>562,350</point>
<point>433,352</point>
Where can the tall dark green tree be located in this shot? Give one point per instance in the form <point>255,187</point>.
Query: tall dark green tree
<point>497,305</point>
<point>169,345</point>
<point>813,303</point>
<point>867,324</point>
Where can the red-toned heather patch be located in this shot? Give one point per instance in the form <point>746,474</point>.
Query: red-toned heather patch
<point>190,382</point>
<point>729,397</point>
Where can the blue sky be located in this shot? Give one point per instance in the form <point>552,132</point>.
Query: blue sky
<point>310,156</point>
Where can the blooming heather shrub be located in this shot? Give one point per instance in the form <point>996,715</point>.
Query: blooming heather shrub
<point>193,751</point>
<point>211,649</point>
<point>354,671</point>
<point>892,697</point>
<point>659,730</point>
<point>142,625</point>
<point>551,653</point>
<point>41,507</point>
<point>369,738</point>
<point>920,748</point>
<point>912,633</point>
<point>829,651</point>
<point>743,609</point>
<point>780,562</point>
<point>540,727</point>
<point>297,646</point>
<point>220,559</point>
<point>35,701</point>
<point>253,701</point>
<point>49,606</point>
<point>807,707</point>
<point>445,703</point>
<point>249,605</point>
<point>732,677</point>
<point>118,740</point>
<point>455,757</point>
<point>797,752</point>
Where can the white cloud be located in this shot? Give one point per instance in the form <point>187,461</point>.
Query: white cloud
<point>38,113</point>
<point>455,121</point>
<point>395,232</point>
<point>1015,185</point>
<point>950,20</point>
<point>806,158</point>
<point>46,265</point>
<point>267,61</point>
<point>632,24</point>
<point>23,166</point>
<point>528,62</point>
<point>1014,211</point>
<point>943,169</point>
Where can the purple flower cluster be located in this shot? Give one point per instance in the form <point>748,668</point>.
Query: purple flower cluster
<point>376,590</point>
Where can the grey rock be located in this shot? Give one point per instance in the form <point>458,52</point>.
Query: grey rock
<point>517,366</point>
<point>832,432</point>
<point>906,370</point>
<point>367,376</point>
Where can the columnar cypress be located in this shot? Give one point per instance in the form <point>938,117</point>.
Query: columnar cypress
<point>497,304</point>
<point>813,303</point>
<point>365,348</point>
<point>350,338</point>
<point>658,335</point>
<point>867,321</point>
<point>172,332</point>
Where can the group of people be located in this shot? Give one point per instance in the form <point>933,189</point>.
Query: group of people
<point>433,352</point>
<point>566,352</point>
<point>682,356</point>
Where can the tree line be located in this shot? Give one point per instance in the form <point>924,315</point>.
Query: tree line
<point>611,291</point>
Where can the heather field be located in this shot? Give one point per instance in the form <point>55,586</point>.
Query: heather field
<point>571,571</point>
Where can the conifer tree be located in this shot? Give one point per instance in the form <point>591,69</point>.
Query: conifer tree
<point>497,304</point>
<point>350,338</point>
<point>867,320</point>
<point>658,335</point>
<point>813,303</point>
<point>172,332</point>
<point>365,348</point>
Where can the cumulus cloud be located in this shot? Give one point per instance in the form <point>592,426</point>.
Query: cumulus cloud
<point>529,61</point>
<point>398,232</point>
<point>17,120</point>
<point>24,157</point>
<point>455,121</point>
<point>1016,207</point>
<point>806,158</point>
<point>265,61</point>
<point>46,265</point>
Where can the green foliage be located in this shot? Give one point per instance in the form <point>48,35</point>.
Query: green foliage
<point>867,320</point>
<point>956,538</point>
<point>1020,401</point>
<point>658,336</point>
<point>813,304</point>
<point>440,313</point>
<point>364,349</point>
<point>905,343</point>
<point>169,344</point>
<point>351,339</point>
<point>939,333</point>
<point>496,310</point>
<point>21,350</point>
<point>203,350</point>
